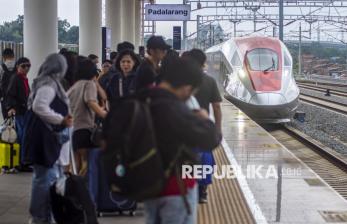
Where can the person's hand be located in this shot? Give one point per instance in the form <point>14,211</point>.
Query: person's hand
<point>202,113</point>
<point>68,121</point>
<point>104,114</point>
<point>11,112</point>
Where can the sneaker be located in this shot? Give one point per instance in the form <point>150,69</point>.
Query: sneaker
<point>203,199</point>
<point>202,194</point>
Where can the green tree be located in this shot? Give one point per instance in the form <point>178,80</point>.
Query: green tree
<point>72,35</point>
<point>63,28</point>
<point>13,31</point>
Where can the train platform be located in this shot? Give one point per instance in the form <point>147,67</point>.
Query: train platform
<point>271,186</point>
<point>278,187</point>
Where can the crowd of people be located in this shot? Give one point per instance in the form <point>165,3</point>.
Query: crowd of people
<point>70,92</point>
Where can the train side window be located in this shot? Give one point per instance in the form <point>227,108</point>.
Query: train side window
<point>286,59</point>
<point>235,61</point>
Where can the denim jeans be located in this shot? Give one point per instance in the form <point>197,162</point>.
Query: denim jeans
<point>171,209</point>
<point>40,206</point>
<point>19,130</point>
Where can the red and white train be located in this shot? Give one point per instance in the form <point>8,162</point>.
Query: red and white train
<point>256,75</point>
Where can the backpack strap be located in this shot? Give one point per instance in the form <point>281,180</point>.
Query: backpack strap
<point>4,68</point>
<point>183,191</point>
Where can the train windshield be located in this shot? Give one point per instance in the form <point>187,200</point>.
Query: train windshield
<point>262,59</point>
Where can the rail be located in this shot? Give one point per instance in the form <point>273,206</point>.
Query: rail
<point>331,105</point>
<point>328,164</point>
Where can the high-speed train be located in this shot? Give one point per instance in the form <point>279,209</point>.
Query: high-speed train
<point>256,75</point>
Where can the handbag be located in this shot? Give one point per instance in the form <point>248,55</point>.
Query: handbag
<point>8,131</point>
<point>96,131</point>
<point>96,136</point>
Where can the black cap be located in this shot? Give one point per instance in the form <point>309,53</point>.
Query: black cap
<point>157,42</point>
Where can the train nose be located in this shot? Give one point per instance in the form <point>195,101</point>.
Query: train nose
<point>267,99</point>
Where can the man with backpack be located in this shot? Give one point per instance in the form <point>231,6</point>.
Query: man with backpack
<point>208,94</point>
<point>7,69</point>
<point>158,140</point>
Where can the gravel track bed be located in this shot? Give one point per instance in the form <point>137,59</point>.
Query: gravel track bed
<point>334,98</point>
<point>325,126</point>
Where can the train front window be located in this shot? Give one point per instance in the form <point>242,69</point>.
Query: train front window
<point>262,59</point>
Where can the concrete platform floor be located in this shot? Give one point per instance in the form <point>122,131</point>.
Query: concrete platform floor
<point>15,196</point>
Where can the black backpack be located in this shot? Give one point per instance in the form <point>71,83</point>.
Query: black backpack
<point>132,163</point>
<point>5,79</point>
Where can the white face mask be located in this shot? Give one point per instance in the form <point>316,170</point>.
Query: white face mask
<point>10,64</point>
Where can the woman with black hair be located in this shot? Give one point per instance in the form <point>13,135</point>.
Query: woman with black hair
<point>123,83</point>
<point>84,106</point>
<point>16,96</point>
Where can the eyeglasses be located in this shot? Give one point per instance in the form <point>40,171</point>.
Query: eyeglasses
<point>25,65</point>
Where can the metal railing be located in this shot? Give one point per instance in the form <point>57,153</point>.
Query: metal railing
<point>18,48</point>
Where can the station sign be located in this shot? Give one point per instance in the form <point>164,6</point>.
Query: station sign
<point>167,12</point>
<point>176,43</point>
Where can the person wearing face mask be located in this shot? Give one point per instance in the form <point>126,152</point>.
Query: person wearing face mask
<point>7,69</point>
<point>122,84</point>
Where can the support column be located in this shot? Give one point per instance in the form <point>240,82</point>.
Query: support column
<point>40,32</point>
<point>185,34</point>
<point>137,24</point>
<point>114,17</point>
<point>281,20</point>
<point>129,21</point>
<point>90,27</point>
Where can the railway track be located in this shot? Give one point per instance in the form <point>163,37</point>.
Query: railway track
<point>331,105</point>
<point>329,165</point>
<point>323,89</point>
<point>332,85</point>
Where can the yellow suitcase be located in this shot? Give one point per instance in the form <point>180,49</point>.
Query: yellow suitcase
<point>9,156</point>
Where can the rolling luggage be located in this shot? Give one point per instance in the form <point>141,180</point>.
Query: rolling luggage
<point>70,199</point>
<point>105,200</point>
<point>9,157</point>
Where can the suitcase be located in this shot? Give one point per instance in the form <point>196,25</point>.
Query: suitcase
<point>9,157</point>
<point>105,200</point>
<point>70,198</point>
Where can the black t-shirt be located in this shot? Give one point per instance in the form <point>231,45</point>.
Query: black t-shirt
<point>208,93</point>
<point>146,75</point>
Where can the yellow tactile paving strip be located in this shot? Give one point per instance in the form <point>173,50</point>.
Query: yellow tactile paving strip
<point>226,204</point>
